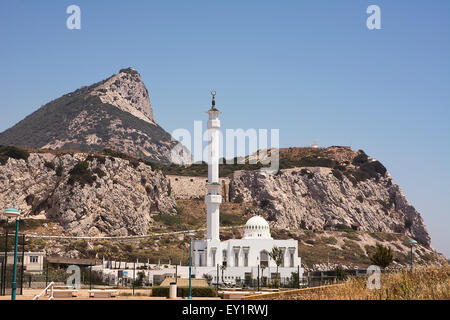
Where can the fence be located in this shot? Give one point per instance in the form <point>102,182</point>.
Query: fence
<point>61,277</point>
<point>7,243</point>
<point>310,279</point>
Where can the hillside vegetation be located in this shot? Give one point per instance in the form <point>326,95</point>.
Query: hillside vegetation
<point>319,250</point>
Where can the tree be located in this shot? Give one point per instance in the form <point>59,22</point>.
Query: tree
<point>340,273</point>
<point>208,278</point>
<point>294,281</point>
<point>139,282</point>
<point>277,255</point>
<point>382,256</point>
<point>262,274</point>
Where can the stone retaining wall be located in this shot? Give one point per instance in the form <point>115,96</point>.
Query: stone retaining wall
<point>188,188</point>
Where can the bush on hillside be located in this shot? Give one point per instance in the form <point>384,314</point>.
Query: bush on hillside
<point>167,219</point>
<point>382,256</point>
<point>7,152</point>
<point>82,174</point>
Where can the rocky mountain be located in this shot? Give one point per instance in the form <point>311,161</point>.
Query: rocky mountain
<point>329,189</point>
<point>333,188</point>
<point>337,202</point>
<point>115,113</point>
<point>85,194</point>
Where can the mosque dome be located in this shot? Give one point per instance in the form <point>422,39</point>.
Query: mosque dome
<point>257,228</point>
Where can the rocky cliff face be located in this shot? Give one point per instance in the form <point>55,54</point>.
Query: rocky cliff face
<point>115,113</point>
<point>127,92</point>
<point>86,195</point>
<point>315,198</point>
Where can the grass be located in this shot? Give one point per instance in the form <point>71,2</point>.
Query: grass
<point>424,283</point>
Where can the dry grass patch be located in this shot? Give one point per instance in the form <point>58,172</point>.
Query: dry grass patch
<point>424,283</point>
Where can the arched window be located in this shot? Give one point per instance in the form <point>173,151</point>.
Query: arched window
<point>264,258</point>
<point>224,258</point>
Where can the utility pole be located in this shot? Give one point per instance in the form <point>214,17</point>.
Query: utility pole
<point>217,278</point>
<point>134,275</point>
<point>258,277</point>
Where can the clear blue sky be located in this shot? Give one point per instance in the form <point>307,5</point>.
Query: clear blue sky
<point>310,68</point>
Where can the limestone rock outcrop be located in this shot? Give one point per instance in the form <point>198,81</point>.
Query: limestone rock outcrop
<point>127,91</point>
<point>114,197</point>
<point>314,198</point>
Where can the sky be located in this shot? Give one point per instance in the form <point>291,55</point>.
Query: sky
<point>311,69</point>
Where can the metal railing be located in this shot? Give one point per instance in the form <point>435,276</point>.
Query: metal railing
<point>50,286</point>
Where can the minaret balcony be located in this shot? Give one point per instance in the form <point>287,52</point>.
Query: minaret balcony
<point>213,198</point>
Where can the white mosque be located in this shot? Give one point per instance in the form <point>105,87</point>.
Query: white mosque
<point>230,261</point>
<point>239,258</point>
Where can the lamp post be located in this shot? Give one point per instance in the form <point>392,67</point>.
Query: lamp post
<point>14,213</point>
<point>190,234</point>
<point>412,242</point>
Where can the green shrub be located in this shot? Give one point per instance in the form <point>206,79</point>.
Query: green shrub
<point>408,223</point>
<point>366,169</point>
<point>239,198</point>
<point>343,227</point>
<point>360,159</point>
<point>7,152</point>
<point>167,219</point>
<point>382,256</point>
<point>369,170</point>
<point>230,219</point>
<point>101,159</point>
<point>340,273</point>
<point>184,292</point>
<point>99,172</point>
<point>265,203</point>
<point>328,240</point>
<point>80,173</point>
<point>125,294</point>
<point>49,165</point>
<point>306,172</point>
<point>59,171</point>
<point>352,235</point>
<point>337,174</point>
<point>315,161</point>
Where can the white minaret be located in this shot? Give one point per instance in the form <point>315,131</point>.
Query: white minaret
<point>213,199</point>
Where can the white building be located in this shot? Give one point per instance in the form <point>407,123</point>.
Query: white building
<point>33,262</point>
<point>241,257</point>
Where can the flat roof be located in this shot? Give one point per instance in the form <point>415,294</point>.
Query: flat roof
<point>62,260</point>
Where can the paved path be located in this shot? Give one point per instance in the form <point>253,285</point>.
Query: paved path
<point>83,294</point>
